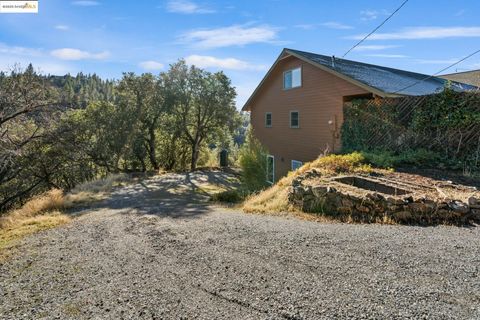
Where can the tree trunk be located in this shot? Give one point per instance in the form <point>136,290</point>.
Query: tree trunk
<point>151,149</point>
<point>195,154</point>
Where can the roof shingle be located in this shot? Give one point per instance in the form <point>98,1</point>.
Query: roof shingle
<point>388,80</point>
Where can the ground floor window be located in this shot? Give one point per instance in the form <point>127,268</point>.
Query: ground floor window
<point>296,164</point>
<point>270,169</point>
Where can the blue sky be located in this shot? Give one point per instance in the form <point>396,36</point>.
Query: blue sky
<point>243,38</point>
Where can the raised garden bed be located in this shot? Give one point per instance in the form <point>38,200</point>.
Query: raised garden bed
<point>386,197</point>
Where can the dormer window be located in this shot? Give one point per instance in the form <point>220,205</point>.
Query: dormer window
<point>292,78</point>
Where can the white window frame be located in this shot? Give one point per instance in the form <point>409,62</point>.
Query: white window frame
<point>299,163</point>
<point>273,169</point>
<point>271,120</point>
<point>290,123</point>
<point>291,70</point>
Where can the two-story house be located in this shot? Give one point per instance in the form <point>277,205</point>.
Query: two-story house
<point>297,109</point>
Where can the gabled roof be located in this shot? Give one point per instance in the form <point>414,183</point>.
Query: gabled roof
<point>469,77</point>
<point>382,81</point>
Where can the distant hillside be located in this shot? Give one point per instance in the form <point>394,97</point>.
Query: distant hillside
<point>77,91</point>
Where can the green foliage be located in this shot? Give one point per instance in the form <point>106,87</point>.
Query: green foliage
<point>228,196</point>
<point>58,131</point>
<point>365,122</point>
<point>253,161</point>
<point>387,159</point>
<point>381,158</point>
<point>78,91</point>
<point>202,105</point>
<point>427,131</point>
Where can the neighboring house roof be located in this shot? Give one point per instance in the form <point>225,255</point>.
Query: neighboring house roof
<point>470,77</point>
<point>382,81</point>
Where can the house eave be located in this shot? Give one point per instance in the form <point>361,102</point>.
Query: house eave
<point>287,53</point>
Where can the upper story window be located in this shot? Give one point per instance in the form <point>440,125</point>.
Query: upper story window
<point>292,78</point>
<point>268,119</point>
<point>294,119</point>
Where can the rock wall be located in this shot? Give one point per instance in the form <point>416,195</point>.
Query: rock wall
<point>374,207</point>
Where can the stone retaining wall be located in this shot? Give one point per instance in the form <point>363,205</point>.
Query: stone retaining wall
<point>374,207</point>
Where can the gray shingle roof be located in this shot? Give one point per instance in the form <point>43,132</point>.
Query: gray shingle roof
<point>388,80</point>
<point>470,77</point>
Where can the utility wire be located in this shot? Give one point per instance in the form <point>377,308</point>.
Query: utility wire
<point>429,77</point>
<point>438,72</point>
<point>374,30</point>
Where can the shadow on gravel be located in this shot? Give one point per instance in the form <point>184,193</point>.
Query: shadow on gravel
<point>173,195</point>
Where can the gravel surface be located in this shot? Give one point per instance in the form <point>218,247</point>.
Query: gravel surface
<point>157,251</point>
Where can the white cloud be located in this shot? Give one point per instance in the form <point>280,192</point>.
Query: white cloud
<point>227,63</point>
<point>187,7</point>
<point>367,15</point>
<point>12,56</point>
<point>19,51</point>
<point>425,33</point>
<point>76,54</point>
<point>151,65</point>
<point>61,27</point>
<point>230,36</point>
<point>385,55</point>
<point>375,47</point>
<point>86,3</point>
<point>336,25</point>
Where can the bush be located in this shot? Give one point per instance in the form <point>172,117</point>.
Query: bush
<point>439,129</point>
<point>381,158</point>
<point>253,161</point>
<point>388,159</point>
<point>208,157</point>
<point>420,157</point>
<point>230,196</point>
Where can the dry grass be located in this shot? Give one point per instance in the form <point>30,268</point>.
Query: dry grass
<point>52,200</point>
<point>101,185</point>
<point>24,227</point>
<point>47,210</point>
<point>275,198</point>
<point>94,190</point>
<point>40,213</point>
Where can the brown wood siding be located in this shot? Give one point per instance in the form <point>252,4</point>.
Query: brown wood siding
<point>318,100</point>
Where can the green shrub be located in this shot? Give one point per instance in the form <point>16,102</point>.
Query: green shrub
<point>387,159</point>
<point>420,157</point>
<point>382,159</point>
<point>230,196</point>
<point>253,162</point>
<point>441,129</point>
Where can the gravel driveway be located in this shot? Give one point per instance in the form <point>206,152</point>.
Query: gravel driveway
<point>156,250</point>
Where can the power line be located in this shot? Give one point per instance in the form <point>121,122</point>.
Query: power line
<point>374,30</point>
<point>422,98</point>
<point>438,72</point>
